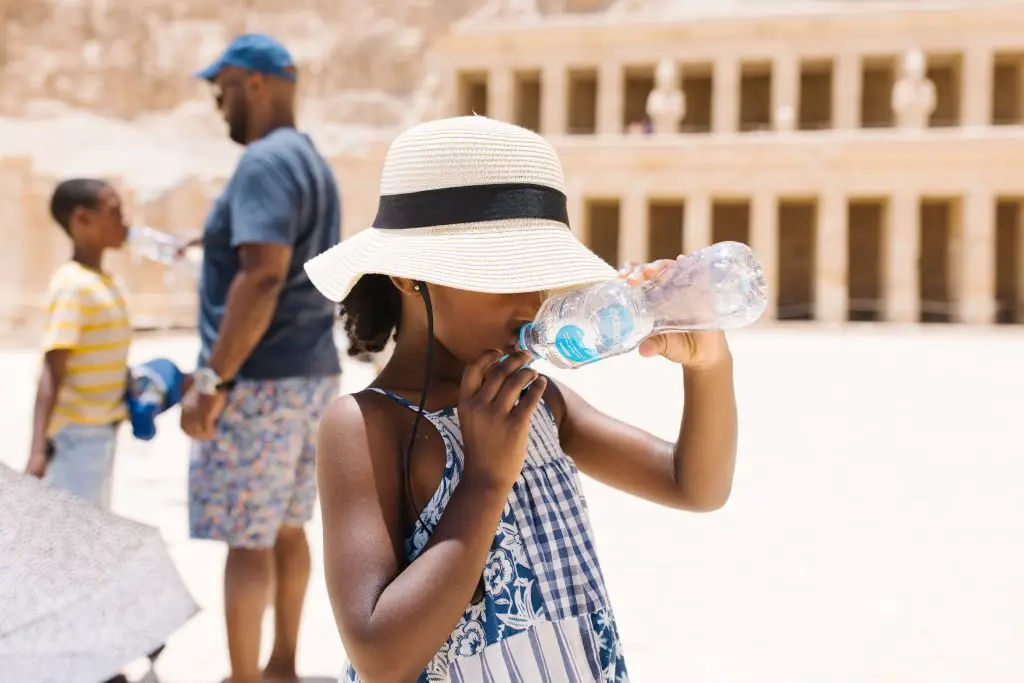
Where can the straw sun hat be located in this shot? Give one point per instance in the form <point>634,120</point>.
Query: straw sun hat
<point>469,203</point>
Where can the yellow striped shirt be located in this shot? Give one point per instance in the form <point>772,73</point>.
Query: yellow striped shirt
<point>88,316</point>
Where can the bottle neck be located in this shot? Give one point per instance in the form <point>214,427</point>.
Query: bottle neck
<point>528,340</point>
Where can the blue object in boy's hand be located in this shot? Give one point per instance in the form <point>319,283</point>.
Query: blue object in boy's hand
<point>155,387</point>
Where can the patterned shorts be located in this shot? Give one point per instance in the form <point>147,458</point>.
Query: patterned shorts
<point>259,473</point>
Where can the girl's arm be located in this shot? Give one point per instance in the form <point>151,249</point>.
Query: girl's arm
<point>696,472</point>
<point>394,618</point>
<point>693,474</point>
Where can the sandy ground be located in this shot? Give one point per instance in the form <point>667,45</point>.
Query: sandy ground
<point>874,533</point>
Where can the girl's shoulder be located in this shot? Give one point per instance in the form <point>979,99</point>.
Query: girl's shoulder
<point>370,411</point>
<point>374,423</point>
<point>362,425</point>
<point>368,432</point>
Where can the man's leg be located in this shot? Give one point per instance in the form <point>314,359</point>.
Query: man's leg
<point>291,552</point>
<point>292,567</point>
<point>248,576</point>
<point>236,482</point>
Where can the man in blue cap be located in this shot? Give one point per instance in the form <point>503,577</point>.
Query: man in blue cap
<point>269,367</point>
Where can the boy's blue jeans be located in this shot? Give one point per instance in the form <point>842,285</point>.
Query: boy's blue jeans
<point>83,462</point>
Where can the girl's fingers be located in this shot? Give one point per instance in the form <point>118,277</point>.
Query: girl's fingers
<point>657,266</point>
<point>653,346</point>
<point>641,272</point>
<point>495,377</point>
<point>473,375</point>
<point>513,387</point>
<point>530,399</point>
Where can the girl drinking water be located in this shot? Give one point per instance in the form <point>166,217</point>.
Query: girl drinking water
<point>457,544</point>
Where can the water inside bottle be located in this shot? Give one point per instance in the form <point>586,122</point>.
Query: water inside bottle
<point>718,288</point>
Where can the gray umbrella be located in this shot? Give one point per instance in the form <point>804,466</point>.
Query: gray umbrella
<point>82,591</point>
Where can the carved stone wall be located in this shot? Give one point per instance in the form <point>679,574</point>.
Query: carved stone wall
<point>123,58</point>
<point>105,88</point>
<point>37,246</point>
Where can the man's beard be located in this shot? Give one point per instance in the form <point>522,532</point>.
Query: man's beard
<point>237,127</point>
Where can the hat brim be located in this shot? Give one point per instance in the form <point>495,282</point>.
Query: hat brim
<point>505,257</point>
<point>210,72</point>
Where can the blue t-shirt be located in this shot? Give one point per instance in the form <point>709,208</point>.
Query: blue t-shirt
<point>282,192</point>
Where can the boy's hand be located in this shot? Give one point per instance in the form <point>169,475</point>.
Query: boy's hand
<point>187,243</point>
<point>199,413</point>
<point>695,350</point>
<point>37,464</point>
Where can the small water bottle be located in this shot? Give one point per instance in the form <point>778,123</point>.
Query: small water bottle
<point>720,287</point>
<point>154,244</point>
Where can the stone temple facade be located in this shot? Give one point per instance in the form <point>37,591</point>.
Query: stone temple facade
<point>868,151</point>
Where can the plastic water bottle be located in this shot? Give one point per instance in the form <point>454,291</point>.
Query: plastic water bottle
<point>720,287</point>
<point>155,386</point>
<point>154,244</point>
<point>145,399</point>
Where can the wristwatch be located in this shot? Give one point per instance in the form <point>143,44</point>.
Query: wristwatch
<point>207,382</point>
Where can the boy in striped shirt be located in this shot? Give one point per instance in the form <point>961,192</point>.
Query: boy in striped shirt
<point>81,396</point>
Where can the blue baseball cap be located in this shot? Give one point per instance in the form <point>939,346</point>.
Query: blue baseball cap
<point>255,52</point>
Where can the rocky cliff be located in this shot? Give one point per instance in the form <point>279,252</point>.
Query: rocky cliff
<point>105,87</point>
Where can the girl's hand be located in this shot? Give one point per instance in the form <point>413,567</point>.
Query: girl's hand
<point>495,414</point>
<point>695,350</point>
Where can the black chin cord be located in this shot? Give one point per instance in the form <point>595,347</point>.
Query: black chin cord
<point>422,288</point>
<point>407,465</point>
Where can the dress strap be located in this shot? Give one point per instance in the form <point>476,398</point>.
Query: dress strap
<point>396,398</point>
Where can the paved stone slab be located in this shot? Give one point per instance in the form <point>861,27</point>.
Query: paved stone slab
<point>874,532</point>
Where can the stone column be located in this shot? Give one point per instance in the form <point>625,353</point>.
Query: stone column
<point>976,86</point>
<point>846,91</point>
<point>1020,86</point>
<point>764,240</point>
<point>609,98</point>
<point>786,92</point>
<point>633,240</point>
<point>447,102</point>
<point>576,206</point>
<point>554,93</point>
<point>501,94</point>
<point>901,254</point>
<point>697,222</point>
<point>725,98</point>
<point>1019,313</point>
<point>830,280</point>
<point>976,297</point>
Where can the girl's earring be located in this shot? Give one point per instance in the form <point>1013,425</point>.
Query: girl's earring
<point>415,288</point>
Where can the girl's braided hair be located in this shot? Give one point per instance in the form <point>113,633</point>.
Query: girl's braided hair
<point>370,314</point>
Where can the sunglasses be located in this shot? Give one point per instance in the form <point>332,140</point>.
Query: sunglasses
<point>220,86</point>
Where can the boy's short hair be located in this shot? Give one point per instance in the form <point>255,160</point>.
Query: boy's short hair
<point>74,193</point>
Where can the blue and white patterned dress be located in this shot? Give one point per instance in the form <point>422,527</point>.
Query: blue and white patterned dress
<point>545,614</point>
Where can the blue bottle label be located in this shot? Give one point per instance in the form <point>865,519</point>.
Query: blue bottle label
<point>614,324</point>
<point>569,342</point>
